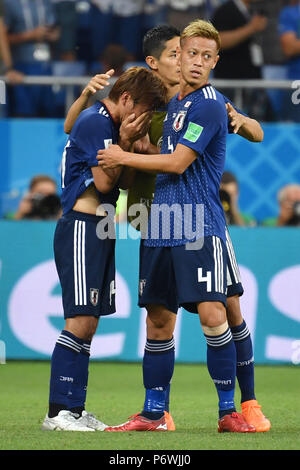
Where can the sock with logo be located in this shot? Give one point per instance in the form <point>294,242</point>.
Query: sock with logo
<point>245,362</point>
<point>63,368</point>
<point>158,367</point>
<point>81,373</point>
<point>221,364</point>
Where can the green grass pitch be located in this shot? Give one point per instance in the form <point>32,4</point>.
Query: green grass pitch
<point>116,392</point>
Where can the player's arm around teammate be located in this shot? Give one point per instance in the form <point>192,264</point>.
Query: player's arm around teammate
<point>244,126</point>
<point>98,82</point>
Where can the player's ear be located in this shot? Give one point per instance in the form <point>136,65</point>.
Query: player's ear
<point>151,62</point>
<point>125,97</point>
<point>216,61</point>
<point>126,100</point>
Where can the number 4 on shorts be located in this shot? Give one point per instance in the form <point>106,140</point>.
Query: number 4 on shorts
<point>206,279</point>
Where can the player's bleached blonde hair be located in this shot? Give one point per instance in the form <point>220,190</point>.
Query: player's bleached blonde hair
<point>203,29</point>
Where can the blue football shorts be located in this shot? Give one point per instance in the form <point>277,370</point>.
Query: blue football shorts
<point>85,266</point>
<point>176,277</point>
<point>234,283</point>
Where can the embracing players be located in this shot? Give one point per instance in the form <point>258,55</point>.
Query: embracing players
<point>195,137</point>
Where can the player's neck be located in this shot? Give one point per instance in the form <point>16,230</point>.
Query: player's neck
<point>185,88</point>
<point>172,91</point>
<point>113,110</point>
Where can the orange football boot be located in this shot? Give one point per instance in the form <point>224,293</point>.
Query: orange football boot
<point>252,413</point>
<point>169,421</point>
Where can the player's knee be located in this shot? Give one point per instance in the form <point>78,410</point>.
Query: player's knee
<point>233,311</point>
<point>212,315</point>
<point>156,323</point>
<point>159,328</point>
<point>89,333</point>
<point>82,327</point>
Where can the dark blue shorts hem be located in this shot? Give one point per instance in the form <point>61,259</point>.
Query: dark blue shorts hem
<point>87,314</point>
<point>235,289</point>
<point>171,308</point>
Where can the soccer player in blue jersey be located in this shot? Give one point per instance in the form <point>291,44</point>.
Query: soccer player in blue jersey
<point>84,258</point>
<point>159,47</point>
<point>173,271</point>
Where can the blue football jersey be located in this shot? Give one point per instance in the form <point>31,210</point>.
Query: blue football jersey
<point>94,129</point>
<point>198,121</point>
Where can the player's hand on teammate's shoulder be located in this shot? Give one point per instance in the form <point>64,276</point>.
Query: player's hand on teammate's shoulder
<point>110,157</point>
<point>236,119</point>
<point>98,82</point>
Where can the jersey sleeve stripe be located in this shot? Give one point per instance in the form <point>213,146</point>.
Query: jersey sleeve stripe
<point>213,93</point>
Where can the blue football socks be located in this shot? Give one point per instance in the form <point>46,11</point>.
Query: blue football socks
<point>221,363</point>
<point>79,388</point>
<point>69,374</point>
<point>245,361</point>
<point>158,367</point>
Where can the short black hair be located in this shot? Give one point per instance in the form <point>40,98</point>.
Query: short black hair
<point>155,39</point>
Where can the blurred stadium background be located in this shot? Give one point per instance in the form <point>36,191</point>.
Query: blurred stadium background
<point>269,256</point>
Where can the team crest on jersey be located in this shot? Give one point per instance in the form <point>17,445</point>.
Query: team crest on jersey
<point>94,296</point>
<point>179,120</point>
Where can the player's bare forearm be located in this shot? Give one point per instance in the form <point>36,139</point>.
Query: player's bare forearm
<point>153,163</point>
<point>176,162</point>
<point>105,179</point>
<point>79,105</point>
<point>251,130</point>
<point>244,126</point>
<point>98,82</point>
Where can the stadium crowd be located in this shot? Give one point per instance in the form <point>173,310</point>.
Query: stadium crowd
<point>84,37</point>
<point>260,40</point>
